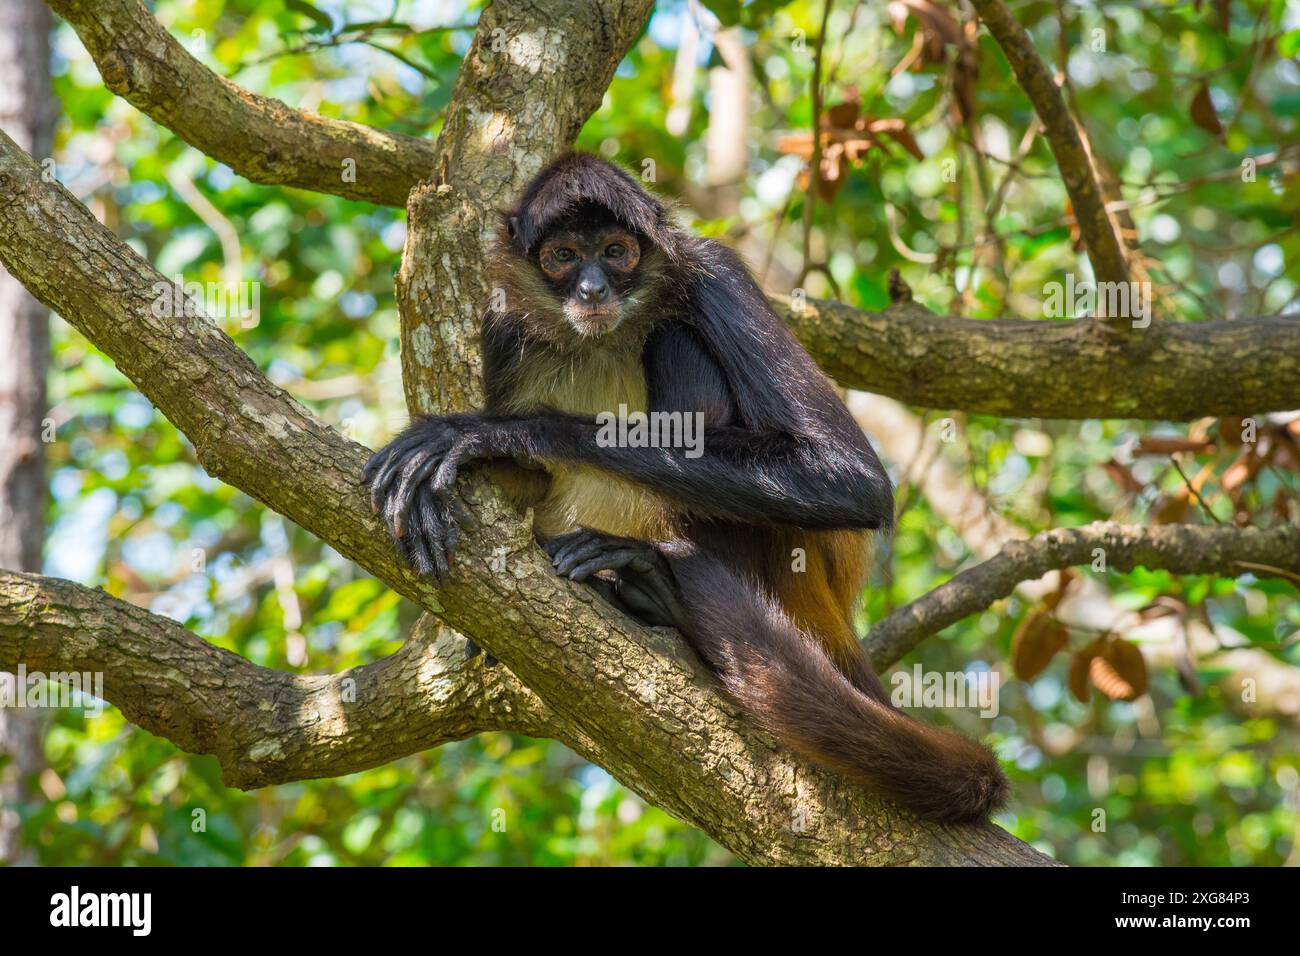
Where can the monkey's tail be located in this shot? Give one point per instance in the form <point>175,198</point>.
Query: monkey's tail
<point>784,678</point>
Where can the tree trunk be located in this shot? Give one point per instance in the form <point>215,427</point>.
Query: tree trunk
<point>27,115</point>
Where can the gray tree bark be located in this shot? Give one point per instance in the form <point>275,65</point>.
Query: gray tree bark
<point>27,115</point>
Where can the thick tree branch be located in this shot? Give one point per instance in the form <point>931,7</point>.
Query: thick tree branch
<point>257,136</point>
<point>1104,250</point>
<point>264,726</point>
<point>1173,371</point>
<point>636,702</point>
<point>1182,549</point>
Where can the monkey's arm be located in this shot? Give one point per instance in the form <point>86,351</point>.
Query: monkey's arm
<point>742,475</point>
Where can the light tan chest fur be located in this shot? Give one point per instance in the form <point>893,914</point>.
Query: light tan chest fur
<point>581,495</point>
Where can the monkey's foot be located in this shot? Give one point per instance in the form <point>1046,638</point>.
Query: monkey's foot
<point>643,581</point>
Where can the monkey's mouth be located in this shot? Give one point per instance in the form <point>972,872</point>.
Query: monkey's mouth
<point>593,320</point>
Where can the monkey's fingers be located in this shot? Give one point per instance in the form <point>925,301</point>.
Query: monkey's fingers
<point>393,453</point>
<point>571,550</point>
<point>392,516</point>
<point>660,585</point>
<point>450,538</point>
<point>648,604</point>
<point>444,479</point>
<point>415,547</point>
<point>394,487</point>
<point>451,522</point>
<point>445,530</point>
<point>439,530</point>
<point>612,559</point>
<point>402,498</point>
<point>592,552</point>
<point>554,546</point>
<point>431,436</point>
<point>393,467</point>
<point>423,541</point>
<point>372,465</point>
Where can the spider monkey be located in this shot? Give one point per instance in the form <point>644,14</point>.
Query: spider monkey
<point>756,550</point>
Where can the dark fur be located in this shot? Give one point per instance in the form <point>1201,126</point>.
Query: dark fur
<point>704,544</point>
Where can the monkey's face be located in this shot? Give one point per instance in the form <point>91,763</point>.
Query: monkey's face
<point>592,271</point>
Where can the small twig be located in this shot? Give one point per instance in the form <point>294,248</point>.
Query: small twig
<point>1193,490</point>
<point>1095,226</point>
<point>815,163</point>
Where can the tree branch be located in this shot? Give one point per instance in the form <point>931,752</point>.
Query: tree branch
<point>1025,368</point>
<point>1104,250</point>
<point>264,726</point>
<point>257,136</point>
<point>1182,549</point>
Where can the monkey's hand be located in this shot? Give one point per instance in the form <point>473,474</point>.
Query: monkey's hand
<point>643,586</point>
<point>411,481</point>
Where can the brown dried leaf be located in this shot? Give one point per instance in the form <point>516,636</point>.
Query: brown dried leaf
<point>1231,430</point>
<point>897,130</point>
<point>1200,429</point>
<point>1064,580</point>
<point>1121,475</point>
<point>1173,509</point>
<point>1036,642</point>
<point>1204,114</point>
<point>938,25</point>
<point>1079,666</point>
<point>843,115</point>
<point>834,171</point>
<point>796,144</point>
<point>1119,671</point>
<point>1243,469</point>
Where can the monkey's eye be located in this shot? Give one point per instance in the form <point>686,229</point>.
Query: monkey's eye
<point>615,250</point>
<point>564,254</point>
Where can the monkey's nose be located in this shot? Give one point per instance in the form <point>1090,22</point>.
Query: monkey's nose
<point>592,293</point>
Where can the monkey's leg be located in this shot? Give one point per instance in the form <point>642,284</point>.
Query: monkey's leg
<point>784,679</point>
<point>647,591</point>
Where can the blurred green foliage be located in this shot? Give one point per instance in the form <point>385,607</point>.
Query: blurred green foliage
<point>1179,777</point>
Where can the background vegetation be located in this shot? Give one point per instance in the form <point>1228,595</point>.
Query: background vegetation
<point>1177,95</point>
